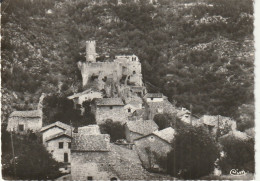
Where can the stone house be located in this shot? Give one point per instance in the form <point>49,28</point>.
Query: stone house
<point>154,97</point>
<point>93,157</point>
<point>212,123</point>
<point>55,128</point>
<point>159,107</point>
<point>109,108</point>
<point>155,144</point>
<point>140,128</point>
<point>22,121</point>
<point>87,95</point>
<point>185,115</point>
<point>59,146</point>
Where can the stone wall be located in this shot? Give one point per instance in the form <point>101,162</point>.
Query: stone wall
<point>116,113</point>
<point>34,124</point>
<point>58,154</point>
<point>91,164</point>
<point>155,144</point>
<point>103,69</point>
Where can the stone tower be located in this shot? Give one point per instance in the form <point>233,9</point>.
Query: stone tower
<point>91,51</point>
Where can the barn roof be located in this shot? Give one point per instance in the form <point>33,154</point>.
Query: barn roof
<point>27,114</point>
<point>56,124</point>
<point>109,102</point>
<point>85,142</point>
<point>142,127</point>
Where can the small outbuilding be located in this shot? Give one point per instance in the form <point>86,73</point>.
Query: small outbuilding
<point>23,121</point>
<point>139,128</point>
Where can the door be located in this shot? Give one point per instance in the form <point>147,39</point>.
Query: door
<point>66,157</point>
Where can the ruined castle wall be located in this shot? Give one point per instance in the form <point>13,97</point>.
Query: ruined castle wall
<point>104,69</point>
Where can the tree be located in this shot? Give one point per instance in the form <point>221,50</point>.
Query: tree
<point>239,154</point>
<point>115,129</point>
<point>168,120</point>
<point>193,155</point>
<point>59,108</point>
<point>32,160</point>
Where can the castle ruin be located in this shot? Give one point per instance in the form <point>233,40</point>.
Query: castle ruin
<point>124,69</point>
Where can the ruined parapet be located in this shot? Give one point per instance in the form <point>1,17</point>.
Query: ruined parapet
<point>91,51</point>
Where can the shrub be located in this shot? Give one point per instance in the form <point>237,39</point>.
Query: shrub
<point>239,154</point>
<point>193,155</point>
<point>168,120</point>
<point>32,160</point>
<point>114,129</point>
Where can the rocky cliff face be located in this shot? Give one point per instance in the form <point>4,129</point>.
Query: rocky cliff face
<point>205,45</point>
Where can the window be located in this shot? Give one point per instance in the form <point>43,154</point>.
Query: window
<point>69,145</point>
<point>21,127</point>
<point>66,157</point>
<point>89,178</point>
<point>129,110</point>
<point>113,178</point>
<point>151,98</point>
<point>111,107</point>
<point>60,145</point>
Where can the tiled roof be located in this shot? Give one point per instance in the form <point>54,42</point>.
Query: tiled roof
<point>166,134</point>
<point>85,142</point>
<point>143,127</point>
<point>27,114</point>
<point>109,102</point>
<point>90,130</point>
<point>56,124</point>
<point>61,134</point>
<point>154,95</point>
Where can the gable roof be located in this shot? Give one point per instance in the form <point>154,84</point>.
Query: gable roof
<point>109,102</point>
<point>58,135</point>
<point>166,134</point>
<point>154,95</point>
<point>142,127</point>
<point>27,114</point>
<point>56,124</point>
<point>85,142</point>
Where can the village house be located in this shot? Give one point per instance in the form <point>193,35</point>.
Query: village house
<point>158,104</point>
<point>154,97</point>
<point>59,146</point>
<point>185,115</point>
<point>132,104</point>
<point>137,129</point>
<point>109,109</point>
<point>139,114</point>
<point>213,123</point>
<point>150,146</point>
<point>23,121</point>
<point>87,95</point>
<point>55,128</point>
<point>93,157</point>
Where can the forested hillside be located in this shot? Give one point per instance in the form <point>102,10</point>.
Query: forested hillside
<point>195,52</point>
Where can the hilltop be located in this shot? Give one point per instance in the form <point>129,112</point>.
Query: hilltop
<point>195,52</point>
